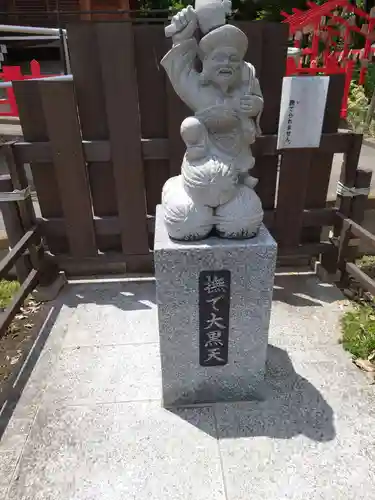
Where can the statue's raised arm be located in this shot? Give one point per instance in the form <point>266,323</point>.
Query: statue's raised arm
<point>180,60</point>
<point>214,190</point>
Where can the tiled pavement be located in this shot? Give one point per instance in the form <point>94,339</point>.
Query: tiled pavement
<point>89,424</point>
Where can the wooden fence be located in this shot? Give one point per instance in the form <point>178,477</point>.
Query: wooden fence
<point>33,266</point>
<point>102,146</point>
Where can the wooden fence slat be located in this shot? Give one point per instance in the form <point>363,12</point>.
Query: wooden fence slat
<point>362,181</point>
<point>357,231</point>
<point>60,111</point>
<point>26,221</point>
<point>321,165</point>
<point>362,278</point>
<point>106,263</point>
<point>274,52</point>
<point>85,64</point>
<point>177,111</point>
<point>87,76</point>
<point>348,252</point>
<point>157,149</point>
<point>344,203</point>
<point>17,251</point>
<point>348,176</point>
<point>254,32</point>
<point>121,98</point>
<point>14,227</point>
<point>108,226</point>
<point>293,182</point>
<point>34,129</point>
<point>19,181</point>
<point>149,44</point>
<point>26,288</point>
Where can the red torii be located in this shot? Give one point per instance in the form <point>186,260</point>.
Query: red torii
<point>313,21</point>
<point>301,18</point>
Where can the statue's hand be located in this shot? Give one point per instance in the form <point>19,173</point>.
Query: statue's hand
<point>250,104</point>
<point>227,6</point>
<point>183,25</point>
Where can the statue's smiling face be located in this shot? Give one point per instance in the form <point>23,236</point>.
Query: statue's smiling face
<point>223,66</point>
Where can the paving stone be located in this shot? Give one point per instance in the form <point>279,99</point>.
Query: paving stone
<point>8,463</point>
<point>113,315</point>
<point>120,451</point>
<point>17,430</point>
<point>106,374</point>
<point>329,370</point>
<point>128,295</point>
<point>3,492</point>
<point>300,442</point>
<point>298,468</point>
<point>305,313</point>
<point>310,436</point>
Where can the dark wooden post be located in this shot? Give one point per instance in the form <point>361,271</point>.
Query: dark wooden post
<point>348,247</point>
<point>344,203</point>
<point>359,203</point>
<point>39,259</point>
<point>293,185</point>
<point>13,226</point>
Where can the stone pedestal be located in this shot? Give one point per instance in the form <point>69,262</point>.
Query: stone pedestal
<point>214,301</point>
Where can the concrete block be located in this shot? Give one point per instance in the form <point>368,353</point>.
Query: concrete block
<point>50,292</point>
<point>183,327</point>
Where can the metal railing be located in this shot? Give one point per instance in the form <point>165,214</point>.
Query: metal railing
<point>48,34</point>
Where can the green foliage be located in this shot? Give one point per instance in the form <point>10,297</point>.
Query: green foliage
<point>357,106</point>
<point>176,5</point>
<point>167,5</point>
<point>367,265</point>
<point>370,80</point>
<point>7,291</point>
<point>244,9</point>
<point>265,9</point>
<point>268,10</point>
<point>359,331</point>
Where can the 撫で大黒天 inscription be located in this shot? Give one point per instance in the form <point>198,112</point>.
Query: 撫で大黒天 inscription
<point>214,303</point>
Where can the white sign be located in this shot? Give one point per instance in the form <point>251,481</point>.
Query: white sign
<point>303,103</point>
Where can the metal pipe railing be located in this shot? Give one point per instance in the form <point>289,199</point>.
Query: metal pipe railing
<point>60,78</point>
<point>10,28</point>
<point>32,38</point>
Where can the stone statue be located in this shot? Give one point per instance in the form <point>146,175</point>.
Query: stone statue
<point>214,189</point>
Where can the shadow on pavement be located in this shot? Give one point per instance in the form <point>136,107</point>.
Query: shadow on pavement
<point>127,296</point>
<point>18,380</point>
<point>304,290</point>
<point>287,405</point>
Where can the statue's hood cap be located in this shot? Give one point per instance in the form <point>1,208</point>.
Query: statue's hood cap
<point>224,36</point>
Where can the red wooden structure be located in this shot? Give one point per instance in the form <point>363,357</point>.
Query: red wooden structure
<point>326,23</point>
<point>11,74</point>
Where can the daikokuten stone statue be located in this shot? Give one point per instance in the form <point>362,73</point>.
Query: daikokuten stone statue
<point>214,189</point>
